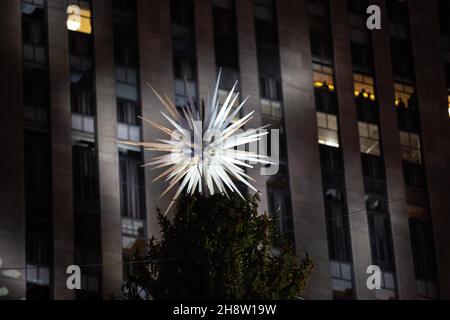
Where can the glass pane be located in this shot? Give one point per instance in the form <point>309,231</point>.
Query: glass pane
<point>363,130</point>
<point>321,120</point>
<point>373,132</point>
<point>415,141</point>
<point>404,138</point>
<point>332,122</point>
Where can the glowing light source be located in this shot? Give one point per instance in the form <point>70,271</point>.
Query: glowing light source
<point>201,154</point>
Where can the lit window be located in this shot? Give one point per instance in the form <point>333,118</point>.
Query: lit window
<point>364,86</point>
<point>410,144</point>
<point>369,138</point>
<point>79,17</point>
<point>327,129</point>
<point>323,76</point>
<point>403,95</point>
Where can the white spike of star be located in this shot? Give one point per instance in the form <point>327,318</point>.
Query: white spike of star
<point>201,153</point>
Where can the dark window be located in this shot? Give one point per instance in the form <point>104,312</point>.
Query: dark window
<point>423,249</point>
<point>397,11</point>
<point>372,166</point>
<point>33,32</point>
<point>326,100</point>
<point>338,231</point>
<point>37,169</point>
<point>402,60</point>
<point>132,191</point>
<point>414,175</point>
<point>270,88</point>
<point>330,158</point>
<point>408,119</point>
<point>362,58</point>
<point>357,6</point>
<point>128,112</point>
<point>225,36</point>
<point>124,8</point>
<point>320,31</point>
<point>39,250</point>
<point>80,44</point>
<point>85,178</point>
<point>83,101</point>
<point>381,240</point>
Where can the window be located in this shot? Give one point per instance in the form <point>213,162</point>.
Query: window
<point>397,11</point>
<point>338,232</point>
<point>127,83</point>
<point>373,172</point>
<point>81,62</point>
<point>424,257</point>
<point>410,145</point>
<point>30,6</point>
<point>132,191</point>
<point>124,8</point>
<point>327,129</point>
<point>85,178</point>
<point>36,95</point>
<point>79,16</point>
<point>323,76</point>
<point>364,86</point>
<point>369,139</point>
<point>404,95</point>
<point>320,31</point>
<point>133,243</point>
<point>184,90</point>
<point>34,39</point>
<point>83,109</point>
<point>125,52</point>
<point>330,158</point>
<point>128,112</point>
<point>381,240</point>
<point>414,176</point>
<point>357,6</point>
<point>225,34</point>
<point>362,58</point>
<point>324,91</point>
<point>82,101</point>
<point>341,280</point>
<point>402,60</point>
<point>37,169</point>
<point>270,88</point>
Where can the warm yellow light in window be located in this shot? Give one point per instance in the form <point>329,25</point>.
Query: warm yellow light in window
<point>403,94</point>
<point>323,77</point>
<point>79,19</point>
<point>363,84</point>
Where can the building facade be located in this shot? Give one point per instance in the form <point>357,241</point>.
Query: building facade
<point>363,117</point>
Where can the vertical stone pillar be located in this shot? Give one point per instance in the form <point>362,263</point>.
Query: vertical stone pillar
<point>155,43</point>
<point>61,141</point>
<point>303,151</point>
<point>108,157</point>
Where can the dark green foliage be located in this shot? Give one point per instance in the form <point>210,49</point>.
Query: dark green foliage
<point>218,248</point>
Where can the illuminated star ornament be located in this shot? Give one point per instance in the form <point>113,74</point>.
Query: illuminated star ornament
<point>205,150</point>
